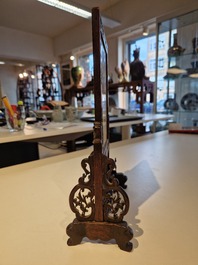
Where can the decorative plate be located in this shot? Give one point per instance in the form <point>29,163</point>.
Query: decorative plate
<point>189,101</point>
<point>171,104</point>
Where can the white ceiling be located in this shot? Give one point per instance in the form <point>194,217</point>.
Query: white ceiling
<point>38,18</point>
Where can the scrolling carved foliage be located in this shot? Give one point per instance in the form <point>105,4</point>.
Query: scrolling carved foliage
<point>82,198</point>
<point>115,199</point>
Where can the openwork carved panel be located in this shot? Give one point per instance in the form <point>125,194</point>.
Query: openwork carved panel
<point>82,198</point>
<point>115,201</point>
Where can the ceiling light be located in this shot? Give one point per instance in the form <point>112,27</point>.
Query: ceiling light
<point>25,74</point>
<point>194,75</point>
<point>145,31</point>
<point>175,70</point>
<point>1,62</point>
<point>19,64</point>
<point>72,57</point>
<point>66,7</point>
<point>21,76</point>
<point>192,72</point>
<point>108,22</point>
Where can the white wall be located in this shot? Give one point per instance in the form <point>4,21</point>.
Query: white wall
<point>8,79</point>
<point>74,38</point>
<point>25,46</point>
<point>113,59</point>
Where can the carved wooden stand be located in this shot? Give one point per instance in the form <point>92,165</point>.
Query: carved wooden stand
<point>98,200</point>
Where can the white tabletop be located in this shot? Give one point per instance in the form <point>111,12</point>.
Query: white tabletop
<point>162,187</point>
<point>36,132</point>
<point>69,130</point>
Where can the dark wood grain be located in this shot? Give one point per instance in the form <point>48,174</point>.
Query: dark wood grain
<point>98,200</point>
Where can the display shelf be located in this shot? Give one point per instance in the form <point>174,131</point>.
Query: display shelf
<point>140,88</point>
<point>83,92</point>
<point>181,61</point>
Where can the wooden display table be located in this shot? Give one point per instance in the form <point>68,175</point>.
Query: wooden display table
<point>140,88</point>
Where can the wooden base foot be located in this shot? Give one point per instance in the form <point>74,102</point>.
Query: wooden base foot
<point>105,231</point>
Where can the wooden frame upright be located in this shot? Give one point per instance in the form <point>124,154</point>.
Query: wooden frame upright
<point>98,200</point>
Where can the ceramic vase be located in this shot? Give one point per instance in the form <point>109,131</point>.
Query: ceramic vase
<point>77,75</point>
<point>175,50</point>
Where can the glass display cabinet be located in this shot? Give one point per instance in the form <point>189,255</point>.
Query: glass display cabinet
<point>177,53</point>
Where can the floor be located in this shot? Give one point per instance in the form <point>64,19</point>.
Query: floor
<point>51,149</point>
<point>48,149</point>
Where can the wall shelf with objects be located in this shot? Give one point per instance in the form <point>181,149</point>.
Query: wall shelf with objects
<point>181,80</point>
<point>49,87</point>
<point>26,90</point>
<point>79,93</point>
<point>82,92</point>
<point>36,89</point>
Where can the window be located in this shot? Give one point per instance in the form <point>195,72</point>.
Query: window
<point>152,43</point>
<point>147,46</point>
<point>161,62</point>
<point>152,64</point>
<point>86,62</point>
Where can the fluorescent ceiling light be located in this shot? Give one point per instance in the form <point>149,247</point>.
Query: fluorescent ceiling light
<point>79,12</point>
<point>66,7</point>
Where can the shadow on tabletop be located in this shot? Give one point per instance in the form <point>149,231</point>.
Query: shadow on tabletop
<point>141,185</point>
